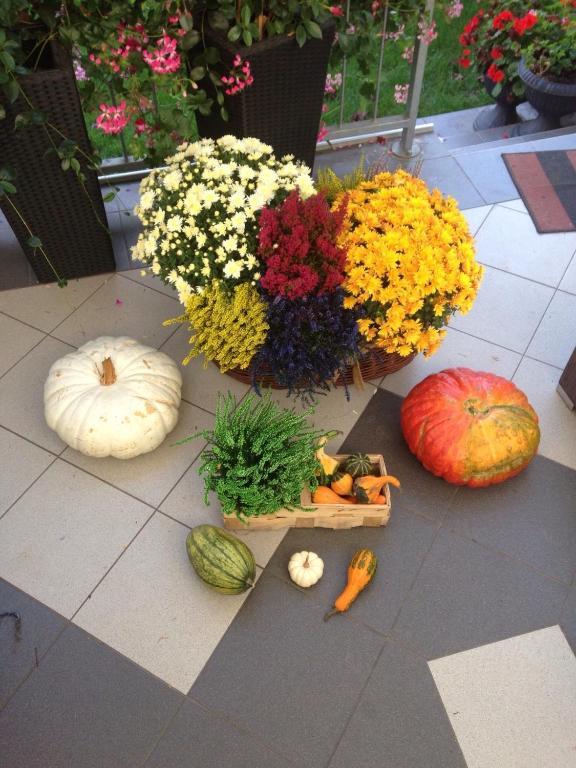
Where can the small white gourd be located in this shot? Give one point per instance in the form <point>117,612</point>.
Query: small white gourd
<point>113,397</point>
<point>305,568</point>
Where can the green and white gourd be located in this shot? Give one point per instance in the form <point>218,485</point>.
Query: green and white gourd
<point>221,560</point>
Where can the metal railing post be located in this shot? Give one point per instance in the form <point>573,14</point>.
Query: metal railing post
<point>405,147</point>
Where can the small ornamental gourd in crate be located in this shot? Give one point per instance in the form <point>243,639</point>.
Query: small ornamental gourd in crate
<point>336,515</point>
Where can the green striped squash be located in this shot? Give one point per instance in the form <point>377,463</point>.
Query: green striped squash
<point>358,464</point>
<point>220,559</point>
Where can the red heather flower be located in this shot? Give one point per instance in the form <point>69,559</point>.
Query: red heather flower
<point>496,53</point>
<point>495,74</point>
<point>297,243</point>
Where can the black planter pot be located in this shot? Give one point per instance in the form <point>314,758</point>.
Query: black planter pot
<point>50,200</point>
<point>503,112</point>
<point>283,106</point>
<point>555,99</point>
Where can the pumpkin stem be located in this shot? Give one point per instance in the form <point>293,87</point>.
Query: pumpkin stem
<point>331,613</point>
<point>108,375</point>
<point>306,564</point>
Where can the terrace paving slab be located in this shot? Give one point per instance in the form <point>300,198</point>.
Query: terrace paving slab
<point>299,676</point>
<point>85,706</point>
<point>21,652</point>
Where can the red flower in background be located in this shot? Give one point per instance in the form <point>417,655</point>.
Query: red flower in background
<point>297,243</point>
<point>496,53</point>
<point>495,74</point>
<point>500,20</point>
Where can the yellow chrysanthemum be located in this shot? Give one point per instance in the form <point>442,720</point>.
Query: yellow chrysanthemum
<point>410,262</point>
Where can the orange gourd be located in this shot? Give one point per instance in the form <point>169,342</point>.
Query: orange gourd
<point>324,495</point>
<point>342,484</point>
<point>380,499</point>
<point>360,573</point>
<point>368,488</point>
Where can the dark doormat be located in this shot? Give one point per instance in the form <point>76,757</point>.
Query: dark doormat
<point>546,182</point>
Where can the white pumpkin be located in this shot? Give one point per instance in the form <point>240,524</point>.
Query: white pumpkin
<point>113,397</point>
<point>305,568</point>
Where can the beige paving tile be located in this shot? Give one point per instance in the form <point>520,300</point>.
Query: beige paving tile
<point>120,308</point>
<point>515,205</point>
<point>555,339</point>
<point>154,609</point>
<point>22,394</point>
<point>512,704</point>
<point>150,281</point>
<point>151,476</point>
<point>507,310</point>
<point>21,464</point>
<point>557,423</point>
<point>333,411</point>
<point>200,385</point>
<point>16,339</point>
<point>457,350</point>
<point>45,306</point>
<point>64,533</point>
<point>569,280</point>
<point>476,217</point>
<point>508,240</point>
<point>186,504</point>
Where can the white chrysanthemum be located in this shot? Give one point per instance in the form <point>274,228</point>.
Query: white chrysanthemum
<point>172,179</point>
<point>174,223</point>
<point>155,267</point>
<point>305,185</point>
<point>233,269</point>
<point>147,200</point>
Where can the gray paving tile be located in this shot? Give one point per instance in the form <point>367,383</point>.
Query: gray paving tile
<point>531,517</point>
<point>286,676</point>
<point>85,706</point>
<point>400,547</point>
<point>198,737</point>
<point>378,431</point>
<point>486,170</point>
<point>132,227</point>
<point>400,721</point>
<point>17,339</point>
<point>568,618</point>
<point>467,595</point>
<point>19,653</point>
<point>445,174</point>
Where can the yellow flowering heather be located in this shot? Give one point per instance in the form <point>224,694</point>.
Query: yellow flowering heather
<point>228,327</point>
<point>410,262</point>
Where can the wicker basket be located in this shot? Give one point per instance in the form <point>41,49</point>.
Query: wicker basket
<point>374,364</point>
<point>49,199</point>
<point>284,105</point>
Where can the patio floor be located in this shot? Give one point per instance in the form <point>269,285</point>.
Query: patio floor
<point>460,654</point>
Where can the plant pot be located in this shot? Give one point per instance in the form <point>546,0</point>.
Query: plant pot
<point>283,106</point>
<point>51,200</point>
<point>503,112</point>
<point>556,99</point>
<point>374,364</point>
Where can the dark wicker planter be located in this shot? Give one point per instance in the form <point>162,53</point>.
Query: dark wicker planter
<point>556,99</point>
<point>374,365</point>
<point>284,105</point>
<point>51,200</point>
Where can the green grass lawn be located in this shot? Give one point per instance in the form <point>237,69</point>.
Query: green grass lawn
<point>445,89</point>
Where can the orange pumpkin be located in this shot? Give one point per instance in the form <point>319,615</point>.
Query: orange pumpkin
<point>469,427</point>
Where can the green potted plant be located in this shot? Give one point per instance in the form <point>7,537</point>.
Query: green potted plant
<point>259,457</point>
<point>548,65</point>
<point>491,43</point>
<point>276,57</point>
<point>49,189</point>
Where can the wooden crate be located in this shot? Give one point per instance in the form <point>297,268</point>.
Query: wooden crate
<point>323,515</point>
